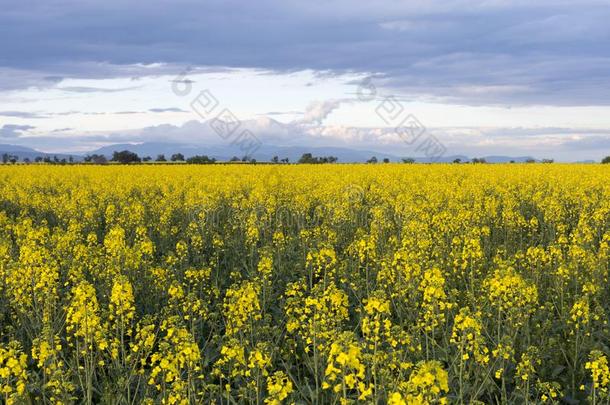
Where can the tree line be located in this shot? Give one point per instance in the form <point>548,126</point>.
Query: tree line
<point>128,157</point>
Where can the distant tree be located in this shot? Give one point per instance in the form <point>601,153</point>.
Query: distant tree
<point>479,160</point>
<point>99,159</point>
<point>13,159</point>
<point>63,161</point>
<point>38,159</point>
<point>125,157</point>
<point>285,160</point>
<point>26,160</point>
<point>5,158</point>
<point>177,157</point>
<point>200,160</point>
<point>275,159</point>
<point>70,159</point>
<point>235,159</point>
<point>55,159</point>
<point>306,158</point>
<point>372,160</point>
<point>512,161</point>
<point>408,160</point>
<point>47,159</point>
<point>95,158</point>
<point>548,160</point>
<point>160,158</point>
<point>458,160</point>
<point>386,160</point>
<point>326,159</point>
<point>146,159</point>
<point>606,160</point>
<point>530,160</point>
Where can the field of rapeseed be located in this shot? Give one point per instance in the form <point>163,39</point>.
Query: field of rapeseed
<point>305,284</point>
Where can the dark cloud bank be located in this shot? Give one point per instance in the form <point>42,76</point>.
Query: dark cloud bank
<point>475,52</point>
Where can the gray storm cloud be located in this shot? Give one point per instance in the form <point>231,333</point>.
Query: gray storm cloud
<point>476,52</point>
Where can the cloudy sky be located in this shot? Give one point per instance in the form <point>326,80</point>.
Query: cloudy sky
<point>493,77</point>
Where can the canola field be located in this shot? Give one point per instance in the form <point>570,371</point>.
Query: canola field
<point>326,284</point>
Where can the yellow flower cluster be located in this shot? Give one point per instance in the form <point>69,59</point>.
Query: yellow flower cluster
<point>13,373</point>
<point>242,307</point>
<point>177,355</point>
<point>279,387</point>
<point>345,371</point>
<point>322,264</point>
<point>511,295</point>
<point>316,317</point>
<point>600,374</point>
<point>83,321</point>
<point>233,359</point>
<point>580,313</point>
<point>434,301</point>
<point>121,305</point>
<point>428,384</point>
<point>46,350</point>
<point>376,324</point>
<point>265,267</point>
<point>526,369</point>
<point>467,336</point>
<point>37,265</point>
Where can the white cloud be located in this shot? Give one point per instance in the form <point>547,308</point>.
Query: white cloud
<point>317,111</point>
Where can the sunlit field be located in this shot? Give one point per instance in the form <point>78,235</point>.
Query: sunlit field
<point>324,284</point>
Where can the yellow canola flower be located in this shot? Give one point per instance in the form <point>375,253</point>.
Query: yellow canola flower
<point>279,387</point>
<point>600,374</point>
<point>13,372</point>
<point>83,322</point>
<point>511,294</point>
<point>467,336</point>
<point>242,307</point>
<point>427,384</point>
<point>121,306</point>
<point>345,368</point>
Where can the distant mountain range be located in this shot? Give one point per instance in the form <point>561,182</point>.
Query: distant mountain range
<point>224,153</point>
<point>23,152</point>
